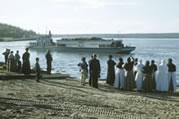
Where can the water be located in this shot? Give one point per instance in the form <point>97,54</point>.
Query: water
<point>146,49</point>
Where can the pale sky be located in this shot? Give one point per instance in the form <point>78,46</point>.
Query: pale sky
<point>92,16</point>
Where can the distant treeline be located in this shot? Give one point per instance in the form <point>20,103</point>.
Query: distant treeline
<point>137,35</point>
<point>15,32</point>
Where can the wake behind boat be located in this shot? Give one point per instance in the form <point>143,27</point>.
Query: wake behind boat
<point>91,45</point>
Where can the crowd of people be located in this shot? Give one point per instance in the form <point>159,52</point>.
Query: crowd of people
<point>13,63</point>
<point>132,74</point>
<point>129,75</point>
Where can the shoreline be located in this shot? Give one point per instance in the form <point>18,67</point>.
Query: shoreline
<point>66,98</point>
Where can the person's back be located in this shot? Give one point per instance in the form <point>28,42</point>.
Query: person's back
<point>49,61</point>
<point>37,69</point>
<point>84,70</point>
<point>95,71</point>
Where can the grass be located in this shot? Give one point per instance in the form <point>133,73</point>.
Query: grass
<point>7,39</point>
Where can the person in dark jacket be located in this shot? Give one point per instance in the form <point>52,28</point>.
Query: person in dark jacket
<point>154,69</point>
<point>26,62</point>
<point>111,71</point>
<point>37,69</point>
<point>147,81</point>
<point>95,70</point>
<point>6,55</point>
<point>129,76</point>
<point>89,62</point>
<point>171,76</point>
<point>49,62</point>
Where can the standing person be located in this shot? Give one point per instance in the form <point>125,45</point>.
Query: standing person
<point>18,62</point>
<point>171,76</point>
<point>11,62</point>
<point>26,62</point>
<point>84,70</point>
<point>119,81</point>
<point>6,55</point>
<point>89,62</point>
<point>162,77</point>
<point>129,76</point>
<point>139,75</point>
<point>49,62</point>
<point>147,80</point>
<point>95,70</point>
<point>37,69</point>
<point>154,69</point>
<point>111,71</point>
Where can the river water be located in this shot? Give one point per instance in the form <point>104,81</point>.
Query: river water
<point>146,49</point>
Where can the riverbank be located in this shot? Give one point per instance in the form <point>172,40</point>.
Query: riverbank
<point>65,98</point>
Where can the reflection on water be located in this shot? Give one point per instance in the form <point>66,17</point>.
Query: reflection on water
<point>146,49</point>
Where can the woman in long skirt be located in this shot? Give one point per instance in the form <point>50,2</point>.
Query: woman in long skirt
<point>129,76</point>
<point>147,80</point>
<point>119,81</point>
<point>139,75</point>
<point>162,77</point>
<point>171,76</point>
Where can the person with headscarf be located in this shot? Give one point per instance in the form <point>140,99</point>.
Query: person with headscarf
<point>111,71</point>
<point>139,75</point>
<point>11,62</point>
<point>162,77</point>
<point>129,76</point>
<point>154,69</point>
<point>171,76</point>
<point>119,80</point>
<point>147,80</point>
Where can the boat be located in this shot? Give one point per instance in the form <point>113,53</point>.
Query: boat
<point>92,45</point>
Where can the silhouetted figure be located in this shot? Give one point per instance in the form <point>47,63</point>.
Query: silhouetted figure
<point>89,62</point>
<point>49,62</point>
<point>84,70</point>
<point>171,76</point>
<point>154,69</point>
<point>37,69</point>
<point>95,70</point>
<point>11,62</point>
<point>129,76</point>
<point>26,62</point>
<point>6,55</point>
<point>111,71</point>
<point>18,62</point>
<point>147,73</point>
<point>119,79</point>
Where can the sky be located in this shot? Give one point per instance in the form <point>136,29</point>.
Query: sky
<point>92,16</point>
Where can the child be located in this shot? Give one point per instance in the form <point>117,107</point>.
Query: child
<point>37,69</point>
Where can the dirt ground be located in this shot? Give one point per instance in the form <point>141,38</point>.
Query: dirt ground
<point>67,99</point>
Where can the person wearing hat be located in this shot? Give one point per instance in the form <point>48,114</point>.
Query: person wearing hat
<point>26,62</point>
<point>84,70</point>
<point>171,76</point>
<point>95,70</point>
<point>111,71</point>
